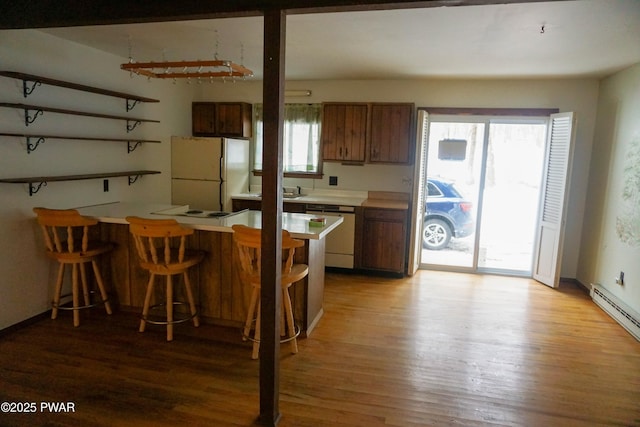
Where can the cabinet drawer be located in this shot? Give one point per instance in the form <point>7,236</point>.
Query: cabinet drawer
<point>242,204</point>
<point>385,214</point>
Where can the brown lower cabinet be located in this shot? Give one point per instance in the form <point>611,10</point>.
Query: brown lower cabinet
<point>256,205</point>
<point>381,236</point>
<point>380,240</point>
<point>221,296</point>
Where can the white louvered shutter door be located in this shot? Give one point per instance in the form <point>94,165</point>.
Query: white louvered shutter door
<point>546,268</point>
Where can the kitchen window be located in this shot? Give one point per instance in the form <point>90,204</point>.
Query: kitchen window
<point>301,149</point>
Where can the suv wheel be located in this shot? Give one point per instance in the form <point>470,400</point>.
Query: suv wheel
<point>436,234</point>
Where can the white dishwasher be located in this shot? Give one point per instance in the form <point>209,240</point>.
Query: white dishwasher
<point>340,242</point>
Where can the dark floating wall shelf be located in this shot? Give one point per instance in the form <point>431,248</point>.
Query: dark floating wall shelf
<point>132,143</point>
<point>132,123</point>
<point>30,82</point>
<point>31,113</point>
<point>36,182</point>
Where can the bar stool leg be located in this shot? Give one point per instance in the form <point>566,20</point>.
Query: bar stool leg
<point>85,287</point>
<point>103,292</point>
<point>192,304</point>
<point>250,313</point>
<point>57,292</point>
<point>147,301</point>
<point>256,342</point>
<point>289,325</point>
<point>76,298</point>
<point>283,320</point>
<point>169,308</point>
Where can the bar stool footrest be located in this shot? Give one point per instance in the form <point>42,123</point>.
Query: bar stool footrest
<point>188,317</point>
<point>65,306</point>
<point>282,341</point>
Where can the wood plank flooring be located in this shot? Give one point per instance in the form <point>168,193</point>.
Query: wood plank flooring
<point>437,349</point>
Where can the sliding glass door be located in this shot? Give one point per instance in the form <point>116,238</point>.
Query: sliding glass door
<point>510,197</point>
<point>454,165</point>
<point>482,193</point>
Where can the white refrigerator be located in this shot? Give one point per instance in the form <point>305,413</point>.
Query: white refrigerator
<point>205,172</point>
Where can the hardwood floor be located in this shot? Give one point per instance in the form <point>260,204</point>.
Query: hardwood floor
<point>436,349</point>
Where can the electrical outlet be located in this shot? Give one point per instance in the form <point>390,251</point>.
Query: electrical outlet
<point>620,279</point>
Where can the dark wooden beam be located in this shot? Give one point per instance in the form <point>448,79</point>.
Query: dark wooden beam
<point>67,13</point>
<point>271,293</point>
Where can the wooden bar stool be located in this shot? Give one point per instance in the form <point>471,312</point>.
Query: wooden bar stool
<point>161,249</point>
<point>249,242</point>
<point>66,237</point>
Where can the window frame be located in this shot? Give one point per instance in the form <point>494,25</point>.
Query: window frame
<point>318,174</point>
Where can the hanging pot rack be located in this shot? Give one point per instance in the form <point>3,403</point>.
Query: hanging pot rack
<point>188,69</point>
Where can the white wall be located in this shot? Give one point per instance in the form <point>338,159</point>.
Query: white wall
<point>617,138</point>
<point>577,95</point>
<point>25,289</point>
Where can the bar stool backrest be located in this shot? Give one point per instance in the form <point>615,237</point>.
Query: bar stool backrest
<point>154,240</point>
<point>64,230</point>
<point>249,243</point>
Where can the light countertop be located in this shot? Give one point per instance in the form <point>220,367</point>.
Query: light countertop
<point>384,200</point>
<point>320,198</point>
<point>297,224</point>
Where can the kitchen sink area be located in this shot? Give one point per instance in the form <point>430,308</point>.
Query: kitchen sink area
<point>380,217</point>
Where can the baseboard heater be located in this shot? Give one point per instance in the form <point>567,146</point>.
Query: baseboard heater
<point>621,313</point>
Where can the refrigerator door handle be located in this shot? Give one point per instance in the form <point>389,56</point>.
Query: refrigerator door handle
<point>221,195</point>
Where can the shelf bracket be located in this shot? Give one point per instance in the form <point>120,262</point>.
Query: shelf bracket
<point>131,103</point>
<point>132,145</point>
<point>35,187</point>
<point>32,146</point>
<point>28,119</point>
<point>132,124</point>
<point>26,90</point>
<point>133,178</point>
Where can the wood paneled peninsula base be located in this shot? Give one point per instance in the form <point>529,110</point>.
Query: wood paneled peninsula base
<point>221,296</point>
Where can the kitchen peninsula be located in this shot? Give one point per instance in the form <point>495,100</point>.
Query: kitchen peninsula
<point>222,298</point>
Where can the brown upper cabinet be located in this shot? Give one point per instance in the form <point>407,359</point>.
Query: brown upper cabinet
<point>231,119</point>
<point>392,133</point>
<point>344,132</point>
<point>371,132</point>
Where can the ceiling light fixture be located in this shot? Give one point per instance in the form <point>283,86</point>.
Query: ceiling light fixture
<point>297,92</point>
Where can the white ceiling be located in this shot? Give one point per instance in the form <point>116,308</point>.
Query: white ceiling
<point>541,39</point>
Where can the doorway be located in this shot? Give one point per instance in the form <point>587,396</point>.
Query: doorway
<point>482,188</point>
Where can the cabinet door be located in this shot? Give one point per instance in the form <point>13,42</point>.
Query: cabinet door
<point>384,240</point>
<point>203,118</point>
<point>391,133</point>
<point>233,119</point>
<point>332,131</point>
<point>344,132</point>
<point>355,133</point>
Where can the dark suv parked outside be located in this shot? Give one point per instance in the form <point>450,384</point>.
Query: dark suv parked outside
<point>447,215</point>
